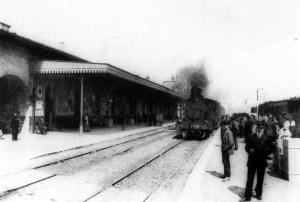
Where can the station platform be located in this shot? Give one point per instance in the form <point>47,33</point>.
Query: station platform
<point>204,183</point>
<point>15,154</point>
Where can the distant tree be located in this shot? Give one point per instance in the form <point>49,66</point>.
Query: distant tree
<point>188,76</point>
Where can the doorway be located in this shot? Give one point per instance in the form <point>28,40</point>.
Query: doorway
<point>13,97</point>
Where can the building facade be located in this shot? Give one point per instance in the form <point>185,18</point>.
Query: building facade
<point>65,90</point>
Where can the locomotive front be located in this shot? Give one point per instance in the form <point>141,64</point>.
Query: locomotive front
<point>194,122</point>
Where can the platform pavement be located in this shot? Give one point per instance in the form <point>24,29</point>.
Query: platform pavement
<point>15,154</point>
<point>205,185</point>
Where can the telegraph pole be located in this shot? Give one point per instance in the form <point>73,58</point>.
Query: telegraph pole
<point>257,102</point>
<point>257,98</point>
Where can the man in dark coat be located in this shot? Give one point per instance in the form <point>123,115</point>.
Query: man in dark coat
<point>235,131</point>
<point>15,124</point>
<point>258,146</point>
<point>227,145</point>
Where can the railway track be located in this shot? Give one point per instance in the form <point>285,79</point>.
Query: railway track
<point>91,150</point>
<point>163,182</point>
<point>95,164</point>
<point>144,134</point>
<point>87,151</point>
<point>156,191</point>
<point>133,171</point>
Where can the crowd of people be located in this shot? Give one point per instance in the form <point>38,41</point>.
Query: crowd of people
<point>263,137</point>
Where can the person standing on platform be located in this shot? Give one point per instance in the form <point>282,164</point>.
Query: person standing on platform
<point>161,119</point>
<point>157,119</point>
<point>15,124</point>
<point>86,122</point>
<point>235,131</point>
<point>258,147</point>
<point>292,125</point>
<point>283,133</point>
<point>227,145</point>
<point>271,129</point>
<point>248,127</point>
<point>242,126</point>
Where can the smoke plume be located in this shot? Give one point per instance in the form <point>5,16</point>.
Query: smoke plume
<point>199,78</point>
<point>191,76</point>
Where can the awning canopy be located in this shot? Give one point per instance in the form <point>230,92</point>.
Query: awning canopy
<point>62,67</point>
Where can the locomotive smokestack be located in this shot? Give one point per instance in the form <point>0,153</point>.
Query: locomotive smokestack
<point>196,92</point>
<point>198,82</point>
<point>199,79</point>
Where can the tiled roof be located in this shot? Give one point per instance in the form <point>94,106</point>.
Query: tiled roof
<point>7,36</point>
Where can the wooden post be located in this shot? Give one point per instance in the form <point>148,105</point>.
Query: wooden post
<point>123,94</point>
<point>81,106</point>
<point>123,112</point>
<point>33,104</point>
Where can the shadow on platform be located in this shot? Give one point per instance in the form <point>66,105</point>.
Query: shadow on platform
<point>215,173</point>
<point>276,174</point>
<point>237,190</point>
<point>177,137</point>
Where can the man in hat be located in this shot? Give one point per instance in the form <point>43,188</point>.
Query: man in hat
<point>227,145</point>
<point>259,146</point>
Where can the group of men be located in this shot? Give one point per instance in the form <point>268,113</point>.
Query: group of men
<point>261,138</point>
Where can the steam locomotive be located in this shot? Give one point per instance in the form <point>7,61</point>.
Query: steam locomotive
<point>200,117</point>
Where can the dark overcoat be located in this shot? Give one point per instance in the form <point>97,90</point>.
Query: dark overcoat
<point>14,125</point>
<point>258,149</point>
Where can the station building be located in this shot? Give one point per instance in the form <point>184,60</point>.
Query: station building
<point>63,89</point>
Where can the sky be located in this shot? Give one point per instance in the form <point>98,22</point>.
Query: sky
<point>246,45</point>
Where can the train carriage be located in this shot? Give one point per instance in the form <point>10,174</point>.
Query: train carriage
<point>276,108</point>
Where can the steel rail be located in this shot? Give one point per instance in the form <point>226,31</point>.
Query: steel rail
<point>133,171</point>
<point>94,151</point>
<point>7,192</point>
<point>89,145</point>
<point>168,178</point>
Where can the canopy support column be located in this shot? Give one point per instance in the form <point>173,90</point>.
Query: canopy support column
<point>33,103</point>
<point>81,106</point>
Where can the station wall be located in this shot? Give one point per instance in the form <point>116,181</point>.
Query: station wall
<point>14,83</point>
<point>14,61</point>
